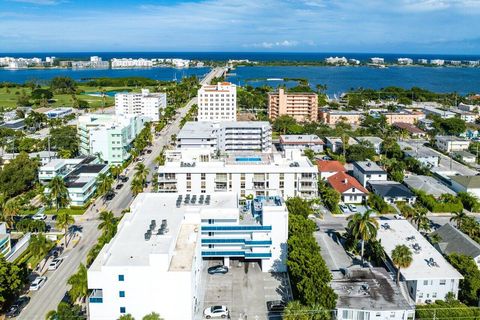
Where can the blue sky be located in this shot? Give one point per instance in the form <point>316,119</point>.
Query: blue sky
<point>407,26</point>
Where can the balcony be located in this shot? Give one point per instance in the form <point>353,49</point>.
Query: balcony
<point>237,253</point>
<point>96,296</point>
<point>214,228</point>
<point>167,178</point>
<point>236,241</point>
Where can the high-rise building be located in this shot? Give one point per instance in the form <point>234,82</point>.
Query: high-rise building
<point>108,136</point>
<point>228,136</point>
<point>217,102</point>
<point>303,106</point>
<point>253,173</point>
<point>143,104</point>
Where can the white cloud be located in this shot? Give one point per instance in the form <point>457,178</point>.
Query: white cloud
<point>277,44</point>
<point>435,5</point>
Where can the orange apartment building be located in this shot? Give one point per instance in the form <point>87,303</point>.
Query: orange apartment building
<point>303,106</point>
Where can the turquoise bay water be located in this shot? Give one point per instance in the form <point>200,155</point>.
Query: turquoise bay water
<point>341,79</point>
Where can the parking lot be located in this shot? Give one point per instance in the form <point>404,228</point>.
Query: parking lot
<point>245,290</point>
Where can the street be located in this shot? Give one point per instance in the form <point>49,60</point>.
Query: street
<point>54,290</point>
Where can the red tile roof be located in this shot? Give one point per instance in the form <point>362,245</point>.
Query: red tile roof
<point>343,182</point>
<point>330,166</point>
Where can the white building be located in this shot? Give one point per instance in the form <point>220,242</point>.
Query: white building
<point>80,176</point>
<point>131,63</point>
<point>426,156</point>
<point>451,143</point>
<point>5,245</point>
<point>445,114</point>
<point>336,143</point>
<point>108,136</point>
<point>469,107</point>
<point>370,294</point>
<point>301,142</point>
<point>58,113</point>
<point>422,61</point>
<point>365,171</point>
<point>466,116</point>
<point>375,142</point>
<point>469,184</point>
<point>429,277</point>
<point>226,136</point>
<point>336,60</point>
<point>217,102</point>
<point>437,62</point>
<point>377,60</point>
<point>142,104</point>
<point>160,244</point>
<point>257,174</point>
<point>405,61</point>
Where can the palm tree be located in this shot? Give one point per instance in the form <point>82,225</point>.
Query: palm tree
<point>79,286</point>
<point>401,258</point>
<point>152,316</point>
<point>363,227</point>
<point>421,220</point>
<point>458,217</point>
<point>127,316</point>
<point>116,171</point>
<point>160,159</point>
<point>64,220</point>
<point>141,172</point>
<point>108,223</point>
<point>10,210</point>
<point>104,184</point>
<point>39,246</point>
<point>136,186</point>
<point>58,192</point>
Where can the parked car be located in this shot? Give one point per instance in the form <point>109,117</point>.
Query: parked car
<point>17,307</point>
<point>149,151</point>
<point>344,208</point>
<point>38,283</point>
<point>216,312</point>
<point>352,207</point>
<point>218,269</point>
<point>124,179</point>
<point>399,217</point>
<point>54,264</point>
<point>39,216</point>
<point>109,196</point>
<point>119,186</point>
<point>276,306</point>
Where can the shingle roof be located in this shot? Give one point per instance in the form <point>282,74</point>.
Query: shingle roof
<point>330,166</point>
<point>453,240</point>
<point>390,189</point>
<point>343,182</point>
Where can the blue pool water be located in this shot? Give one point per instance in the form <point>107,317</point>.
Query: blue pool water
<point>247,159</point>
<point>107,93</point>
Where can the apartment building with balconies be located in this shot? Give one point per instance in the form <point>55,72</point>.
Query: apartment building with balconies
<point>144,103</point>
<point>257,174</point>
<point>217,102</point>
<point>302,106</point>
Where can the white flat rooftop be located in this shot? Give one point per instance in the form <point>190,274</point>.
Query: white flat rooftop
<point>398,232</point>
<point>129,247</point>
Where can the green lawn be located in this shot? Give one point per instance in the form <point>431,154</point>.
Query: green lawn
<point>8,96</point>
<point>76,211</point>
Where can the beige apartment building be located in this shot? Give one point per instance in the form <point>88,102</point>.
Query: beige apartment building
<point>332,117</point>
<point>303,106</point>
<point>404,117</point>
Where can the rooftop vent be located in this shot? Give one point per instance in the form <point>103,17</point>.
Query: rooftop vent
<point>369,164</point>
<point>432,263</point>
<point>385,226</point>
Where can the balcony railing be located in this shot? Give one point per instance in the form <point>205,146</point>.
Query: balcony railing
<point>96,296</point>
<point>236,228</point>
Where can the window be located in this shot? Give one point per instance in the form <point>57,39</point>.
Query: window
<point>121,294</point>
<point>443,282</point>
<point>425,282</point>
<point>123,310</point>
<point>121,277</point>
<point>392,314</point>
<point>434,295</point>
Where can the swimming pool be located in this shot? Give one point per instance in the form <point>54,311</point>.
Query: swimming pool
<point>248,159</point>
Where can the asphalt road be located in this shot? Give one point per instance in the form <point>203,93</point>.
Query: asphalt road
<point>54,290</point>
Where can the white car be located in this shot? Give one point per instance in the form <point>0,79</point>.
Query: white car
<point>216,312</point>
<point>54,264</point>
<point>38,283</point>
<point>39,216</point>
<point>352,207</point>
<point>344,208</point>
